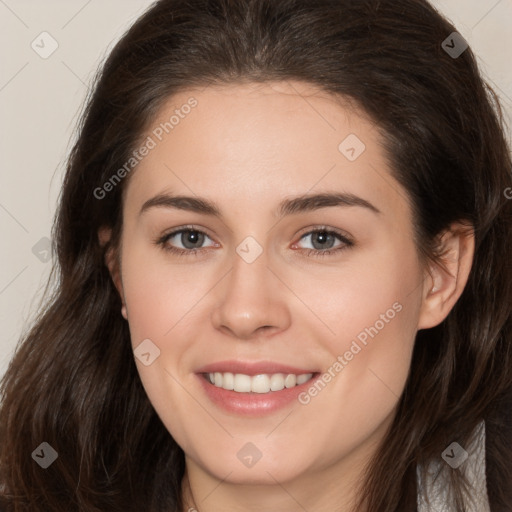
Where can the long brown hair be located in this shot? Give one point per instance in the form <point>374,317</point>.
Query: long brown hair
<point>73,382</point>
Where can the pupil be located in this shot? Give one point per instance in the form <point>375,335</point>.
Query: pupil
<point>322,238</point>
<point>191,238</point>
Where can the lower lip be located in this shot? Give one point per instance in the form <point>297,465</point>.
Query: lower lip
<point>253,404</point>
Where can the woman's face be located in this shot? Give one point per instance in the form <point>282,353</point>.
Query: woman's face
<point>254,290</point>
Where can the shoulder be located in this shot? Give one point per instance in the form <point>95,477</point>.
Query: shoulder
<point>434,492</point>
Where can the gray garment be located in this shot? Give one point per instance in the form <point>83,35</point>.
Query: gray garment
<point>437,490</point>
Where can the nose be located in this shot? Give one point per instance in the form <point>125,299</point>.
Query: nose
<point>251,301</point>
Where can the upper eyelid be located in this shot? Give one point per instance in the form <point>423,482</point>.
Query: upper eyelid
<point>177,231</point>
<point>174,232</point>
<point>316,228</point>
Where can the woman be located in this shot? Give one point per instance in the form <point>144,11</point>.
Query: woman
<point>283,273</point>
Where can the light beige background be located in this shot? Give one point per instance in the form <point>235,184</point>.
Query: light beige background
<point>40,100</point>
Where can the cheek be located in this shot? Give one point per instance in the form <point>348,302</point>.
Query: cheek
<point>362,382</point>
<point>160,308</point>
<point>164,304</point>
<point>369,295</point>
<point>371,311</point>
<point>158,295</point>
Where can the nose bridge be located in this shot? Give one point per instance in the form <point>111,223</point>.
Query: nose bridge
<point>249,272</point>
<point>250,298</point>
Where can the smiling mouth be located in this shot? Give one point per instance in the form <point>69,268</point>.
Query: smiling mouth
<point>262,383</point>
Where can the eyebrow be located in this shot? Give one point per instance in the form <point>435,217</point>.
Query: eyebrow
<point>299,204</point>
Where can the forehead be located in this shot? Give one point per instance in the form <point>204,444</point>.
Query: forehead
<point>249,144</point>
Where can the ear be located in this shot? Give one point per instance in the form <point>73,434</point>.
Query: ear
<point>113,265</point>
<point>445,280</point>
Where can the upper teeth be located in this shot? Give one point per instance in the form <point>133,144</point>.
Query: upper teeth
<point>258,383</point>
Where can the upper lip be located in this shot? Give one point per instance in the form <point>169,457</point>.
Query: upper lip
<point>252,368</point>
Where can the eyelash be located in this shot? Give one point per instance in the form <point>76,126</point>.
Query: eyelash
<point>347,243</point>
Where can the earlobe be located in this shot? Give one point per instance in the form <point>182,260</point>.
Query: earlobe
<point>446,278</point>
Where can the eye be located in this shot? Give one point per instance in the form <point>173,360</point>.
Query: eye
<point>189,240</point>
<point>186,240</point>
<point>323,242</point>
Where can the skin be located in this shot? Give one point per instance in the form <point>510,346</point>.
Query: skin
<point>246,147</point>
